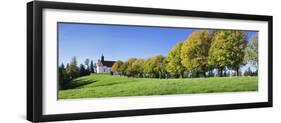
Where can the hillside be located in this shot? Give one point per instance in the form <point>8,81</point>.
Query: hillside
<point>101,85</point>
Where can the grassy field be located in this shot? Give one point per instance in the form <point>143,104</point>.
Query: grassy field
<point>99,85</point>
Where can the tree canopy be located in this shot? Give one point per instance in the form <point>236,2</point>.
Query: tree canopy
<point>227,50</point>
<point>129,69</point>
<point>137,67</point>
<point>194,51</point>
<point>174,65</point>
<point>92,67</point>
<point>73,70</point>
<point>117,66</point>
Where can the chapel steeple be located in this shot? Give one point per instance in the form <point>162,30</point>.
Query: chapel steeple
<point>102,58</point>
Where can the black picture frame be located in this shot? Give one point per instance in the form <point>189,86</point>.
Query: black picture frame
<point>35,69</point>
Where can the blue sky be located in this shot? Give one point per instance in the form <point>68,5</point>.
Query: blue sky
<point>117,42</point>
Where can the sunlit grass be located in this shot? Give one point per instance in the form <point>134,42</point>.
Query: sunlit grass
<point>97,86</point>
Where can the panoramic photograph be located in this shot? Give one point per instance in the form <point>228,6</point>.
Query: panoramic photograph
<point>105,61</point>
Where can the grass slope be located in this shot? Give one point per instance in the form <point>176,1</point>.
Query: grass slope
<point>100,85</point>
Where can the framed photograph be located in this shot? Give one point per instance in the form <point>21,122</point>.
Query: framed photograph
<point>89,61</point>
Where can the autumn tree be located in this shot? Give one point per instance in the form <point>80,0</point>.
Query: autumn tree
<point>195,50</point>
<point>117,66</point>
<point>148,67</point>
<point>129,69</point>
<point>160,65</point>
<point>123,68</point>
<point>155,66</point>
<point>174,65</point>
<point>137,67</point>
<point>227,50</point>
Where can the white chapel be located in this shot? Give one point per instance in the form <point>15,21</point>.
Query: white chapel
<point>104,66</point>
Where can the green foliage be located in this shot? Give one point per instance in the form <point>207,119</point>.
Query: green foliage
<point>101,86</point>
<point>70,72</point>
<point>73,70</point>
<point>174,65</point>
<point>87,61</point>
<point>83,71</point>
<point>227,50</point>
<point>194,51</point>
<point>92,67</point>
<point>249,72</point>
<point>63,77</point>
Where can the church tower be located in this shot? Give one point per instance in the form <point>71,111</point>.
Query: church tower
<point>104,66</point>
<point>102,58</point>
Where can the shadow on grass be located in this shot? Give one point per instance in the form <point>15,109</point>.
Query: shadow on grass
<point>78,83</point>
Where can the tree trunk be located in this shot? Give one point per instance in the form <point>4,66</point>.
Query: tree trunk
<point>221,72</point>
<point>204,74</point>
<point>181,74</point>
<point>237,71</point>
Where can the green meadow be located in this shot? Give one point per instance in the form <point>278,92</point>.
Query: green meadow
<point>103,85</point>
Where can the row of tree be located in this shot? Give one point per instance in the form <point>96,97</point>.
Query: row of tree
<point>152,67</point>
<point>72,71</point>
<point>202,53</point>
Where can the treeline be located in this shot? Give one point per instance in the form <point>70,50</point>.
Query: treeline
<point>72,71</point>
<point>203,54</point>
